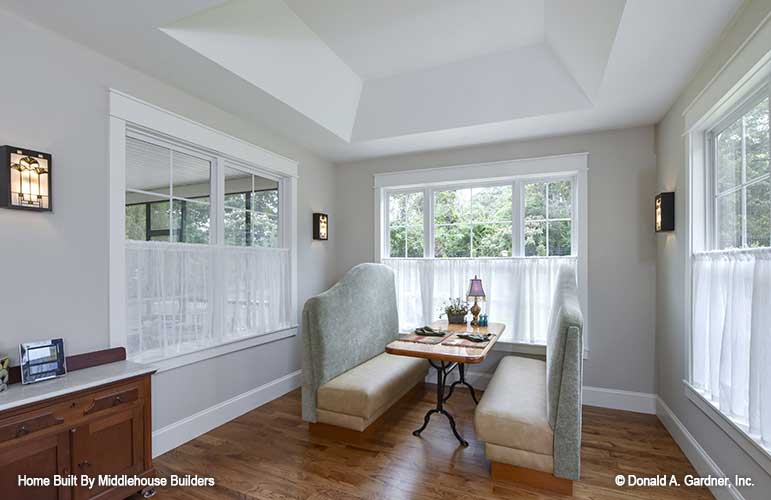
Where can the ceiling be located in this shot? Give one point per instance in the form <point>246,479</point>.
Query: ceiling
<point>378,38</point>
<point>352,79</point>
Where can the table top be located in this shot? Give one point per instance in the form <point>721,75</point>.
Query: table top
<point>440,352</point>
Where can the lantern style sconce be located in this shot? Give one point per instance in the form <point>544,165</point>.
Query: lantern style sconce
<point>320,227</point>
<point>665,212</point>
<point>25,179</point>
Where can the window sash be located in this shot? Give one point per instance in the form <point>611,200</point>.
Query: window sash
<point>218,287</point>
<point>218,165</point>
<point>714,195</point>
<point>517,211</point>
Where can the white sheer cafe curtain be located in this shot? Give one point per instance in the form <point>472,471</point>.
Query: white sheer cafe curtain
<point>732,335</point>
<point>185,297</point>
<point>519,291</point>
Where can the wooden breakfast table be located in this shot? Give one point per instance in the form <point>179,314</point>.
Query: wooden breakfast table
<point>445,357</point>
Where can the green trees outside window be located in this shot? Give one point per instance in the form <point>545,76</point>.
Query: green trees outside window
<point>477,221</point>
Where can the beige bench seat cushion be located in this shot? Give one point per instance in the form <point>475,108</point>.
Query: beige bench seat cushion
<point>512,412</point>
<point>366,390</point>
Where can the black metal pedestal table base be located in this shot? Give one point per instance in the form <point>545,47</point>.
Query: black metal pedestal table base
<point>442,370</point>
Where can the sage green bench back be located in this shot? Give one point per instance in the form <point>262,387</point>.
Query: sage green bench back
<point>564,374</point>
<point>345,326</point>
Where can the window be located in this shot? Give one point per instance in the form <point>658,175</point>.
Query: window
<point>548,219</point>
<point>730,208</point>
<point>167,193</point>
<point>742,200</point>
<point>251,209</point>
<point>182,298</point>
<point>473,222</point>
<point>479,221</point>
<point>513,231</point>
<point>405,217</point>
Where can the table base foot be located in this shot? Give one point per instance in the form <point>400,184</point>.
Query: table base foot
<point>441,377</point>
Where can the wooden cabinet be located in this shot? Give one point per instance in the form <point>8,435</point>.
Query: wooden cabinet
<point>43,456</point>
<point>104,430</point>
<point>111,445</point>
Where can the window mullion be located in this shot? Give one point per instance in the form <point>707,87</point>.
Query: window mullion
<point>516,219</point>
<point>428,222</point>
<point>217,207</point>
<point>385,207</point>
<point>171,196</point>
<point>743,194</point>
<point>546,211</point>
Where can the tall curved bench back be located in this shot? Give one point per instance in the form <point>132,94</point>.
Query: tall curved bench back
<point>345,326</point>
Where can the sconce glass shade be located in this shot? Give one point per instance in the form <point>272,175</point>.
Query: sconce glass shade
<point>320,226</point>
<point>475,289</point>
<point>665,212</point>
<point>26,182</point>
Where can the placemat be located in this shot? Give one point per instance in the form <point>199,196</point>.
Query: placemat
<point>454,341</point>
<point>422,339</point>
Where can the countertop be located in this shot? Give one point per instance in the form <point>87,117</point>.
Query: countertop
<point>20,395</point>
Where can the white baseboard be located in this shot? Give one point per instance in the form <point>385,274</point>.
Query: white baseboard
<point>182,431</point>
<point>702,462</point>
<point>639,402</point>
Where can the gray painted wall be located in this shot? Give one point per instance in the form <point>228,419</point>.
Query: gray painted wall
<point>670,270</point>
<point>55,265</point>
<point>622,243</point>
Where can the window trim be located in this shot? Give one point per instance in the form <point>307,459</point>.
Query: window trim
<point>722,99</point>
<point>133,116</point>
<point>574,165</point>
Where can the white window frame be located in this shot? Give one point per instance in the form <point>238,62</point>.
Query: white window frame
<point>511,172</point>
<point>517,185</point>
<point>722,99</point>
<point>131,116</point>
<point>754,98</point>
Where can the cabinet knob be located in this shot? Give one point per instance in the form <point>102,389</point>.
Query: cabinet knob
<point>84,463</point>
<point>118,400</point>
<point>22,430</point>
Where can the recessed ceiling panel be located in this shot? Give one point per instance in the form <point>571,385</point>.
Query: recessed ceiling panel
<point>379,38</point>
<point>508,85</point>
<point>266,44</point>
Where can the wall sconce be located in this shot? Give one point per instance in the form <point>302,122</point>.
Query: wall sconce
<point>665,212</point>
<point>320,227</point>
<point>25,179</point>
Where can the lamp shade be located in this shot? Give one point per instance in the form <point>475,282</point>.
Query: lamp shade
<point>25,179</point>
<point>475,288</point>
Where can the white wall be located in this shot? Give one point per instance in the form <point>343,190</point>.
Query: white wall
<point>671,253</point>
<point>622,243</point>
<point>54,98</point>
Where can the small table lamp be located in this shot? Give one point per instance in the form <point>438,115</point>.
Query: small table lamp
<point>475,290</point>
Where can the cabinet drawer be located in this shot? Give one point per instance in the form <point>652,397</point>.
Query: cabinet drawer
<point>28,425</point>
<point>120,397</point>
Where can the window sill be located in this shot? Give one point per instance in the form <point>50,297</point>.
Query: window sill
<point>188,358</point>
<point>520,348</point>
<point>525,348</point>
<point>735,431</point>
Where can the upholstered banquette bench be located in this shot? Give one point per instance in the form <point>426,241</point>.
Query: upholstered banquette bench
<point>348,378</point>
<point>530,414</point>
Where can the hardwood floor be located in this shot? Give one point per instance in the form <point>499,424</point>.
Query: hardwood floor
<point>270,454</point>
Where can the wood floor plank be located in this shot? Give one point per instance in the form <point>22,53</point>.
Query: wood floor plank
<point>270,454</point>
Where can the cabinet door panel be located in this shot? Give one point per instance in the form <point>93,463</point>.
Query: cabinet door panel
<point>112,445</point>
<point>41,457</point>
